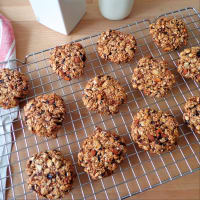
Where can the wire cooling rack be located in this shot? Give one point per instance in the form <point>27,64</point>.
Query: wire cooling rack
<point>140,170</point>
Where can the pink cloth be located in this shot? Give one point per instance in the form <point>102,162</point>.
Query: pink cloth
<point>7,40</point>
<point>7,52</point>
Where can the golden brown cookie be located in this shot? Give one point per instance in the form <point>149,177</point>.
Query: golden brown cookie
<point>101,153</point>
<point>104,95</point>
<point>192,113</point>
<point>44,114</point>
<point>68,60</point>
<point>169,33</point>
<point>189,63</point>
<point>13,87</point>
<point>152,77</point>
<point>50,175</point>
<point>116,46</point>
<point>154,131</point>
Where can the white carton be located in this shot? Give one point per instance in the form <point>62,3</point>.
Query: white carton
<point>59,15</point>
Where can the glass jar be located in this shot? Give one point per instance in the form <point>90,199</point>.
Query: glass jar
<point>115,9</point>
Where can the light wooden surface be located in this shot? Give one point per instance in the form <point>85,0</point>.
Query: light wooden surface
<point>32,36</point>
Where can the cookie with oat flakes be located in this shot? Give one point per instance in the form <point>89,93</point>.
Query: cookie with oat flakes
<point>192,113</point>
<point>68,60</point>
<point>44,114</point>
<point>104,95</point>
<point>116,46</point>
<point>169,33</point>
<point>50,175</point>
<point>189,63</point>
<point>13,87</point>
<point>154,131</point>
<point>153,77</point>
<point>101,153</point>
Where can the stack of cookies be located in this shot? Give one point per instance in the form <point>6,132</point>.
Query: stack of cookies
<point>50,174</point>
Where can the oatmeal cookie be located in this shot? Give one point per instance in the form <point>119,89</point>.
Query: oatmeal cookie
<point>68,60</point>
<point>104,95</point>
<point>152,77</point>
<point>116,46</point>
<point>13,87</point>
<point>50,175</point>
<point>192,113</point>
<point>154,131</point>
<point>101,153</point>
<point>189,63</point>
<point>169,33</point>
<point>44,114</point>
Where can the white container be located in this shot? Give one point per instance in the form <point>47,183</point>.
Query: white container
<point>59,15</point>
<point>115,9</point>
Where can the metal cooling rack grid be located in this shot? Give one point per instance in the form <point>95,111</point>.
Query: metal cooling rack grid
<point>140,170</point>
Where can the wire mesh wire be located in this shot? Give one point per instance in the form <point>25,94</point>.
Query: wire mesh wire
<point>140,170</point>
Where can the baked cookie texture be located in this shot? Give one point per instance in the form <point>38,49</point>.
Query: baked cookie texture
<point>44,114</point>
<point>192,113</point>
<point>116,46</point>
<point>154,131</point>
<point>50,175</point>
<point>169,33</point>
<point>189,63</point>
<point>104,95</point>
<point>152,77</point>
<point>13,87</point>
<point>101,153</point>
<point>68,60</point>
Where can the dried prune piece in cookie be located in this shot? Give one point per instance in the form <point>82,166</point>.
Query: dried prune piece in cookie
<point>189,63</point>
<point>154,131</point>
<point>44,114</point>
<point>116,46</point>
<point>68,60</point>
<point>101,153</point>
<point>169,33</point>
<point>192,113</point>
<point>13,87</point>
<point>104,95</point>
<point>152,77</point>
<point>50,175</point>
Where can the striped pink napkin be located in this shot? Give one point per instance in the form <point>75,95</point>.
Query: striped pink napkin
<point>7,40</point>
<point>7,52</point>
